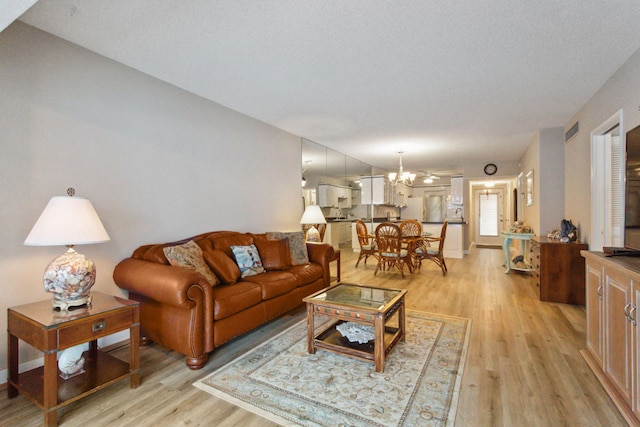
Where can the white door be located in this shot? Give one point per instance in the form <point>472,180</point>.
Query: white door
<point>489,216</point>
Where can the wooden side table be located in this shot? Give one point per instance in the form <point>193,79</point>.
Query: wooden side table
<point>50,331</point>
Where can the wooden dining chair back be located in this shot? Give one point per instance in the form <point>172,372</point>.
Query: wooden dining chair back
<point>411,227</point>
<point>432,248</point>
<point>390,251</point>
<point>366,241</point>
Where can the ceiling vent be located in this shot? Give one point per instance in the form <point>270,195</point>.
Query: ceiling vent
<point>571,132</point>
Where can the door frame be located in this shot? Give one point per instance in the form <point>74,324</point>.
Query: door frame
<point>489,240</point>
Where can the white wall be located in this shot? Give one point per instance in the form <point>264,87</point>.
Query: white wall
<point>157,162</point>
<point>621,91</point>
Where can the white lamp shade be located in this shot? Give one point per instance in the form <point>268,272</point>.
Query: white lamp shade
<point>313,215</point>
<point>67,221</point>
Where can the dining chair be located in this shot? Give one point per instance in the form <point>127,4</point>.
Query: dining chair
<point>366,241</point>
<point>390,251</point>
<point>425,250</point>
<point>411,231</point>
<point>411,227</point>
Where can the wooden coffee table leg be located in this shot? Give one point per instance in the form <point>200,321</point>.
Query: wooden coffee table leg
<point>311,348</point>
<point>378,347</point>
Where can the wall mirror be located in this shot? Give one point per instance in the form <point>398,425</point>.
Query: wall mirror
<point>327,170</point>
<point>529,183</point>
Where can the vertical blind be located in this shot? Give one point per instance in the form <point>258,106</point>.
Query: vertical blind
<point>489,214</point>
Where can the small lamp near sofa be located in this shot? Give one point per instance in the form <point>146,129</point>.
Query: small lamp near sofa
<point>313,215</point>
<point>68,221</point>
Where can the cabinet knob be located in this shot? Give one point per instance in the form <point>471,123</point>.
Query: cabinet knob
<point>631,316</point>
<point>626,311</point>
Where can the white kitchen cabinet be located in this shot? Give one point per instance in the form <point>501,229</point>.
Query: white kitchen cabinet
<point>338,234</point>
<point>334,196</point>
<point>457,190</point>
<point>401,195</point>
<point>375,190</point>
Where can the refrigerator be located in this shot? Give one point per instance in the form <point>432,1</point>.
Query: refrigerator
<point>415,209</point>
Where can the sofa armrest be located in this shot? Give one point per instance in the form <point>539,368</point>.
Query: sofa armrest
<point>162,283</point>
<point>323,254</point>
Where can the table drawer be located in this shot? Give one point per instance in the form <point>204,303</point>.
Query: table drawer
<point>344,313</point>
<point>93,329</point>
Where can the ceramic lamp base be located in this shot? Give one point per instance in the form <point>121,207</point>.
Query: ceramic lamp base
<point>69,278</point>
<point>313,235</point>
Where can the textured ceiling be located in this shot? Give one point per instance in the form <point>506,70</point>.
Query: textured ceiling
<point>447,82</point>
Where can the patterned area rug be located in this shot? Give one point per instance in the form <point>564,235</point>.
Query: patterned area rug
<point>281,381</point>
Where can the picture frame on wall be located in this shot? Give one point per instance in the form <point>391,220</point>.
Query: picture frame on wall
<point>529,193</point>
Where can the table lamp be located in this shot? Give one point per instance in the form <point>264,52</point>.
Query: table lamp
<point>313,215</point>
<point>68,221</point>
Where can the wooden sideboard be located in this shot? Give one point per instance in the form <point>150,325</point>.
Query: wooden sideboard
<point>613,334</point>
<point>557,270</point>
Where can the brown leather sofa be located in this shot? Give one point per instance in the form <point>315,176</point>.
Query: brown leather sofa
<point>181,310</point>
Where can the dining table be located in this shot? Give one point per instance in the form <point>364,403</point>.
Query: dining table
<point>411,245</point>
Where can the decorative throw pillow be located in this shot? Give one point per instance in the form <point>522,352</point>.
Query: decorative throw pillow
<point>297,245</point>
<point>223,266</point>
<point>274,254</point>
<point>248,260</point>
<point>189,255</point>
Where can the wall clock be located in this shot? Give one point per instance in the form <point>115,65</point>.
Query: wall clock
<point>490,169</point>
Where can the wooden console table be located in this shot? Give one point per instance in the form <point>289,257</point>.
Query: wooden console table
<point>507,237</point>
<point>50,331</point>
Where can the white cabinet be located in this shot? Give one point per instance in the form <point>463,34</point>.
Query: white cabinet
<point>334,196</point>
<point>613,335</point>
<point>401,195</point>
<point>376,190</point>
<point>339,234</point>
<point>456,190</point>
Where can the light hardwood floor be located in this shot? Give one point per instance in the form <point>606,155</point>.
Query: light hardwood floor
<point>523,366</point>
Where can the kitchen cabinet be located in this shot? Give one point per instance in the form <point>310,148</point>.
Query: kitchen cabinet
<point>375,190</point>
<point>334,196</point>
<point>401,195</point>
<point>457,190</point>
<point>557,270</point>
<point>613,336</point>
<point>338,234</point>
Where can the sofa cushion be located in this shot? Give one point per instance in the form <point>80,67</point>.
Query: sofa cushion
<point>222,265</point>
<point>232,299</point>
<point>248,260</point>
<point>225,241</point>
<point>306,273</point>
<point>274,283</point>
<point>297,245</point>
<point>274,253</point>
<point>189,255</point>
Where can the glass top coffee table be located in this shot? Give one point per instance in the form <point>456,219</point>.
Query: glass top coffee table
<point>365,322</point>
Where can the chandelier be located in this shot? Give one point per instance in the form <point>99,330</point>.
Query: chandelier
<point>401,176</point>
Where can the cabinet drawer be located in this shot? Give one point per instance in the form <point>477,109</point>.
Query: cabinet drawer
<point>94,328</point>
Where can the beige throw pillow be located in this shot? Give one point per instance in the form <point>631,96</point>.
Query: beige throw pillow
<point>189,255</point>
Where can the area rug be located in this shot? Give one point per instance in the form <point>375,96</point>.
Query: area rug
<point>279,380</point>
